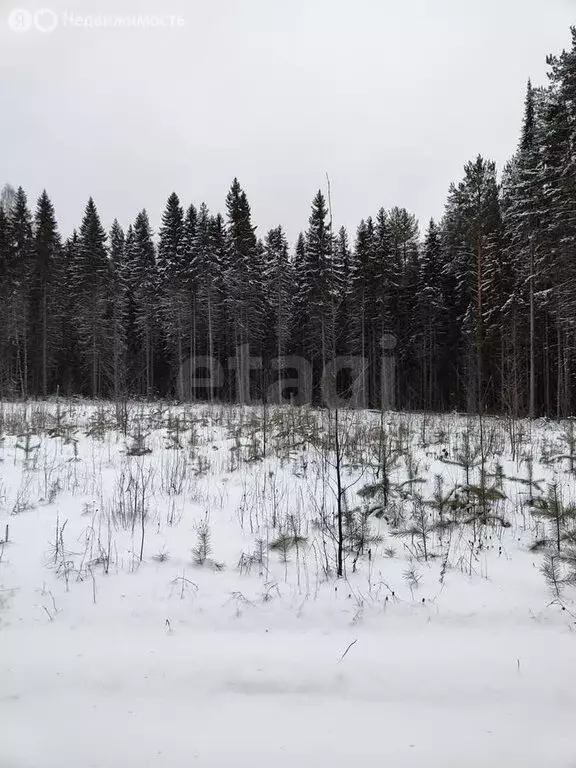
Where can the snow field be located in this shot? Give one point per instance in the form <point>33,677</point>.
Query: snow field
<point>118,649</point>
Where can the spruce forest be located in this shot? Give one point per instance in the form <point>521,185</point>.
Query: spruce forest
<point>482,302</point>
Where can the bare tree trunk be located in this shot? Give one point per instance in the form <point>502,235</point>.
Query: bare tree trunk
<point>339,498</point>
<point>479,327</point>
<point>179,331</point>
<point>44,341</point>
<point>94,363</point>
<point>559,364</point>
<point>211,345</point>
<point>532,409</point>
<point>547,368</point>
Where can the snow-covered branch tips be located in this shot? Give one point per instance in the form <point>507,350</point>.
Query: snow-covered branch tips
<point>340,381</point>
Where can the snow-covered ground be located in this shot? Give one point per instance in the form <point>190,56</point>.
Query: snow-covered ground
<point>118,649</point>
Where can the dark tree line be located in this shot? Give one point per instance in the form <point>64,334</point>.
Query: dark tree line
<point>483,306</point>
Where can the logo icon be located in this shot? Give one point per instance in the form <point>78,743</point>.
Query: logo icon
<point>45,20</point>
<point>20,20</point>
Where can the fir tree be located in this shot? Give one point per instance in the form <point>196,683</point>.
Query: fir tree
<point>19,268</point>
<point>141,258</point>
<point>118,311</point>
<point>90,272</point>
<point>244,287</point>
<point>171,242</point>
<point>6,383</point>
<point>279,282</point>
<point>471,228</point>
<point>174,252</point>
<point>429,318</point>
<point>45,282</point>
<point>317,299</point>
<point>343,259</point>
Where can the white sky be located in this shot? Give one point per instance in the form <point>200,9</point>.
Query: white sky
<point>391,97</point>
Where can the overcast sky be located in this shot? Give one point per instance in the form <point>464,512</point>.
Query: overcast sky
<point>391,97</point>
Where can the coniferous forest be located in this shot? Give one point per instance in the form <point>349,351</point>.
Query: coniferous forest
<point>482,303</point>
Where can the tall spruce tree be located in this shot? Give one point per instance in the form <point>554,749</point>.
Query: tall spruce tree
<point>244,288</point>
<point>91,276</point>
<point>118,310</point>
<point>556,263</point>
<point>6,382</point>
<point>318,299</point>
<point>428,327</point>
<point>45,282</point>
<point>279,283</point>
<point>343,258</point>
<point>364,328</point>
<point>173,300</point>
<point>208,244</point>
<point>20,258</point>
<point>471,229</point>
<point>141,257</point>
